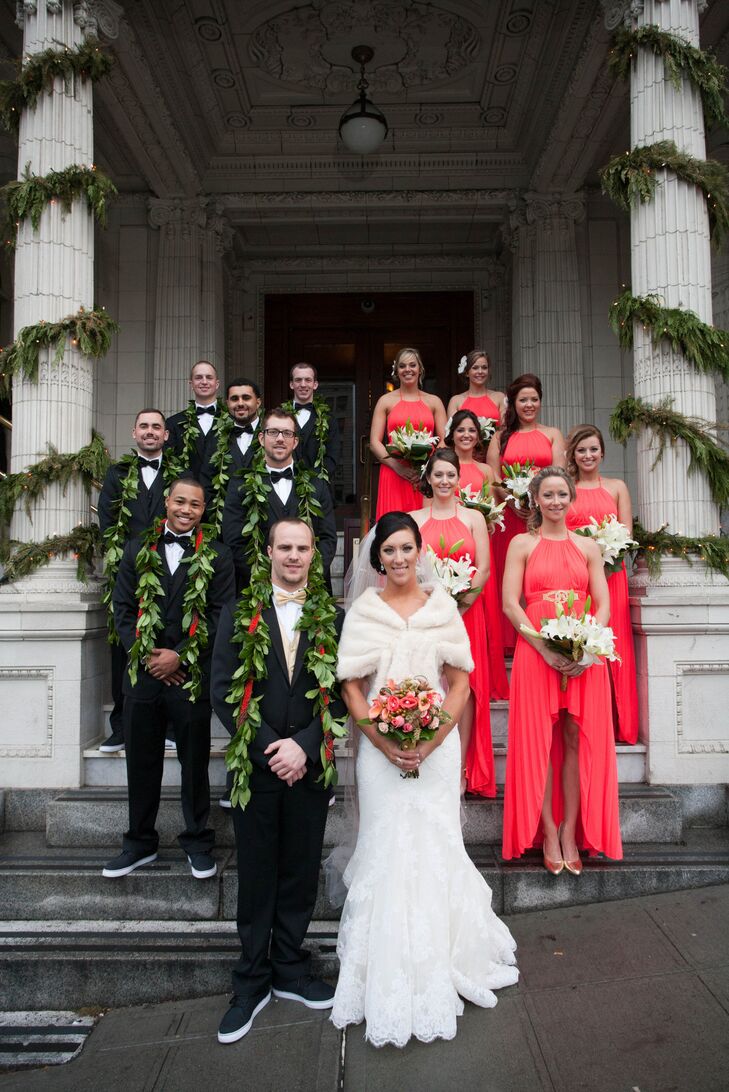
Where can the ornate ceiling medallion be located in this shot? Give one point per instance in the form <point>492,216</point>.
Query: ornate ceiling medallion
<point>416,43</point>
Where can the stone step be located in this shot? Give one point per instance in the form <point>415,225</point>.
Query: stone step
<point>98,816</point>
<point>110,769</point>
<point>71,938</point>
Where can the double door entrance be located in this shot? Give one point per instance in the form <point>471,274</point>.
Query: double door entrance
<point>352,339</point>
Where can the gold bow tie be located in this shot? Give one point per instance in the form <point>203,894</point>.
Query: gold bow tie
<point>283,597</point>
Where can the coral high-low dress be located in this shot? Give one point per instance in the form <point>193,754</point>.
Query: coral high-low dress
<point>554,568</point>
<point>395,494</point>
<point>599,503</point>
<point>472,476</point>
<point>441,535</point>
<point>530,444</point>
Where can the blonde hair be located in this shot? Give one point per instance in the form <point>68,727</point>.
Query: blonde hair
<point>535,516</point>
<point>575,437</point>
<point>409,352</point>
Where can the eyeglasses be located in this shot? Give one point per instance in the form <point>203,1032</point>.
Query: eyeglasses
<point>287,433</point>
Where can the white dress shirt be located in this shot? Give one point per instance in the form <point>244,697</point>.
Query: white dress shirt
<point>302,416</point>
<point>148,472</point>
<point>174,552</point>
<point>245,438</point>
<point>284,486</point>
<point>288,614</point>
<point>206,420</point>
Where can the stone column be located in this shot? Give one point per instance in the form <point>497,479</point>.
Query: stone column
<point>547,334</point>
<point>681,618</point>
<point>52,629</point>
<point>189,309</point>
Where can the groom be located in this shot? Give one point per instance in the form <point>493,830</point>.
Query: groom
<point>279,834</point>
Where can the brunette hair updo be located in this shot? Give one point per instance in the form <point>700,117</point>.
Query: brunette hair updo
<point>472,357</point>
<point>457,419</point>
<point>387,525</point>
<point>535,516</point>
<point>443,455</point>
<point>511,418</point>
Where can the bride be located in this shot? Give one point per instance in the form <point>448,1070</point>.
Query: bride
<point>417,932</point>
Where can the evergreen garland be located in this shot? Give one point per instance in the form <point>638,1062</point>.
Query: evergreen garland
<point>653,545</point>
<point>23,558</point>
<point>29,195</point>
<point>631,177</point>
<point>669,425</point>
<point>704,346</point>
<point>85,62</point>
<point>90,330</point>
<point>89,464</point>
<point>680,60</point>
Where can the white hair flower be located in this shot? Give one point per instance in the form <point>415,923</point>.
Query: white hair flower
<point>449,422</point>
<point>462,365</point>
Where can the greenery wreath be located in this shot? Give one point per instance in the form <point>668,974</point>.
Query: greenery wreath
<point>669,425</point>
<point>23,558</point>
<point>631,177</point>
<point>704,346</point>
<point>653,545</point>
<point>85,62</point>
<point>29,195</point>
<point>149,594</point>
<point>317,622</point>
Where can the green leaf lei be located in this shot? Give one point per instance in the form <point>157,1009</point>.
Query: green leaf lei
<point>85,62</point>
<point>704,346</point>
<point>317,622</point>
<point>150,595</point>
<point>669,425</point>
<point>29,195</point>
<point>219,462</point>
<point>322,413</point>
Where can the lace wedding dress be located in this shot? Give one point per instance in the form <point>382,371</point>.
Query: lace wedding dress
<point>417,932</point>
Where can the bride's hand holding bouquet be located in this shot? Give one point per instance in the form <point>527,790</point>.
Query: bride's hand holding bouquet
<point>406,713</point>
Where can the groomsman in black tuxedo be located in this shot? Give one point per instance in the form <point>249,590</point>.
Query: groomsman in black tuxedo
<point>304,382</point>
<point>279,438</point>
<point>149,435</point>
<point>158,695</point>
<point>279,834</point>
<point>204,384</point>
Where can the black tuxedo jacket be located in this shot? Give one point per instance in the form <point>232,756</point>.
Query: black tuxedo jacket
<point>148,505</point>
<point>221,590</point>
<point>285,709</point>
<point>308,446</point>
<point>325,529</point>
<point>204,444</point>
<point>238,461</point>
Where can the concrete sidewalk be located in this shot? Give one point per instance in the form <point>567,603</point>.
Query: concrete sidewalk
<point>630,995</point>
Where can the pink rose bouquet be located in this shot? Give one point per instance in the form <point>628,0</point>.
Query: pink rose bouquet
<point>408,711</point>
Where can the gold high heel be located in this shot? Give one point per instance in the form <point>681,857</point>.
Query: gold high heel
<point>555,867</point>
<point>575,867</point>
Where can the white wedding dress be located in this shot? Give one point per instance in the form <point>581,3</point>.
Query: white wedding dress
<point>417,932</point>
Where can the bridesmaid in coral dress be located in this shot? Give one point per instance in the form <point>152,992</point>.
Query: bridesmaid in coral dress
<point>476,366</point>
<point>397,491</point>
<point>463,437</point>
<point>445,524</point>
<point>561,772</point>
<point>521,438</point>
<point>600,497</point>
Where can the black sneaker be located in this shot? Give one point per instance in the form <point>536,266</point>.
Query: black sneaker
<point>202,865</point>
<point>125,863</point>
<point>312,992</point>
<point>239,1018</point>
<point>115,742</point>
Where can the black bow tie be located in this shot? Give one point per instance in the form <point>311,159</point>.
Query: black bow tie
<point>303,405</point>
<point>200,410</point>
<point>154,463</point>
<point>277,475</point>
<point>180,540</point>
<point>243,430</point>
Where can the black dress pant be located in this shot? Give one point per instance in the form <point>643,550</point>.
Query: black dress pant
<point>279,837</point>
<point>118,665</point>
<point>144,733</point>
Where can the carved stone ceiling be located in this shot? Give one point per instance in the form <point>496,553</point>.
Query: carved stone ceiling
<point>240,100</point>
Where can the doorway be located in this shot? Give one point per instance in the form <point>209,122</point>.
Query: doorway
<point>352,339</point>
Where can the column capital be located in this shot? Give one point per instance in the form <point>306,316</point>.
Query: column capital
<point>91,15</point>
<point>552,206</point>
<point>184,213</point>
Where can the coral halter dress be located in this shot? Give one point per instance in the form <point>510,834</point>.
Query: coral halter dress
<point>482,406</point>
<point>441,535</point>
<point>600,503</point>
<point>472,476</point>
<point>395,494</point>
<point>554,568</point>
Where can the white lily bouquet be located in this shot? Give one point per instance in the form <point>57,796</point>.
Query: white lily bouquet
<point>487,427</point>
<point>579,637</point>
<point>612,537</point>
<point>516,482</point>
<point>413,445</point>
<point>485,503</point>
<point>455,575</point>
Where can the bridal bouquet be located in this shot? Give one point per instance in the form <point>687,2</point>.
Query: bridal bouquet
<point>484,503</point>
<point>516,482</point>
<point>612,537</point>
<point>454,575</point>
<point>414,445</point>
<point>579,637</point>
<point>407,711</point>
